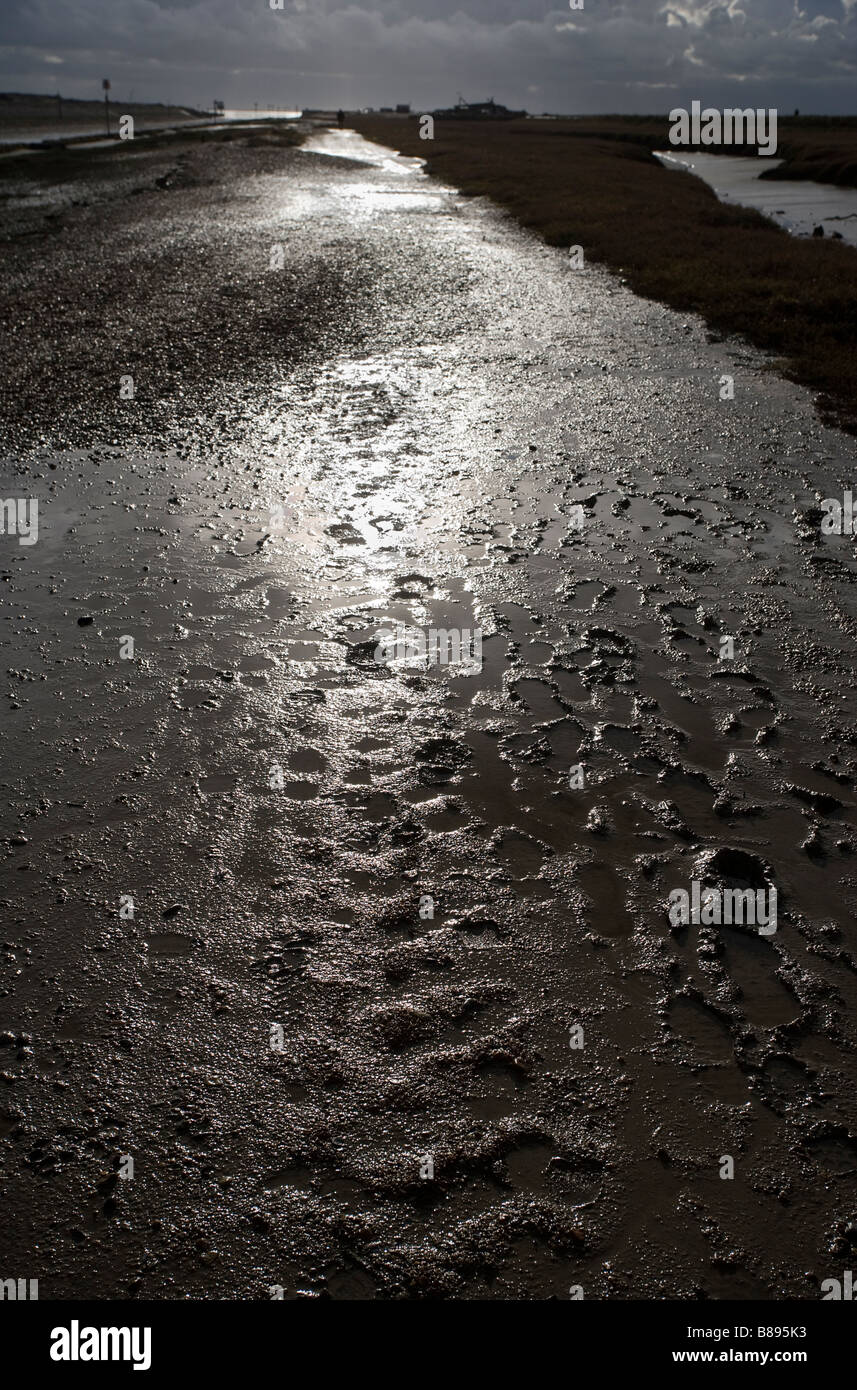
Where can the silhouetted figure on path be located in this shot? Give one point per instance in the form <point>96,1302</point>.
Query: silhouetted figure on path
<point>340,116</point>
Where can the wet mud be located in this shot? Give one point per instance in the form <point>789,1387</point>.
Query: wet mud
<point>424,418</point>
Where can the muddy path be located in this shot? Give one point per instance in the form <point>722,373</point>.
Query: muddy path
<point>372,910</point>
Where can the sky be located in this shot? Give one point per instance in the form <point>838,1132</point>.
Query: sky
<point>540,55</point>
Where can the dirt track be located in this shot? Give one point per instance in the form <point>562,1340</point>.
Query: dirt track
<point>398,426</point>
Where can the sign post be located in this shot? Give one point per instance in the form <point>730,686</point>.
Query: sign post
<point>106,85</point>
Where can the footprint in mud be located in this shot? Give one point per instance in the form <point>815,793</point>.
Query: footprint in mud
<point>785,1082</point>
<point>307,760</point>
<point>536,653</point>
<point>527,1166</point>
<point>565,739</point>
<point>834,1149</point>
<point>572,689</point>
<point>621,738</point>
<point>256,663</point>
<point>707,1072</point>
<point>538,698</point>
<point>519,853</point>
<point>603,888</point>
<point>301,791</point>
<point>691,716</point>
<point>576,1180</point>
<point>605,642</point>
<point>744,887</point>
<point>375,806</point>
<point>694,1021</point>
<point>280,603</point>
<point>500,1091</point>
<point>585,593</point>
<point>750,962</point>
<point>370,744</point>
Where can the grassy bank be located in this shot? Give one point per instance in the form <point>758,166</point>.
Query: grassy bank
<point>667,233</point>
<point>823,148</point>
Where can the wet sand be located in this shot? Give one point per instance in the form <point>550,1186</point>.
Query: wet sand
<point>399,425</point>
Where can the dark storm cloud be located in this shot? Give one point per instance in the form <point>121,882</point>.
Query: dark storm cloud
<point>612,55</point>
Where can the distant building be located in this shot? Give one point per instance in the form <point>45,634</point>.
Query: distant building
<point>403,109</point>
<point>478,111</point>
